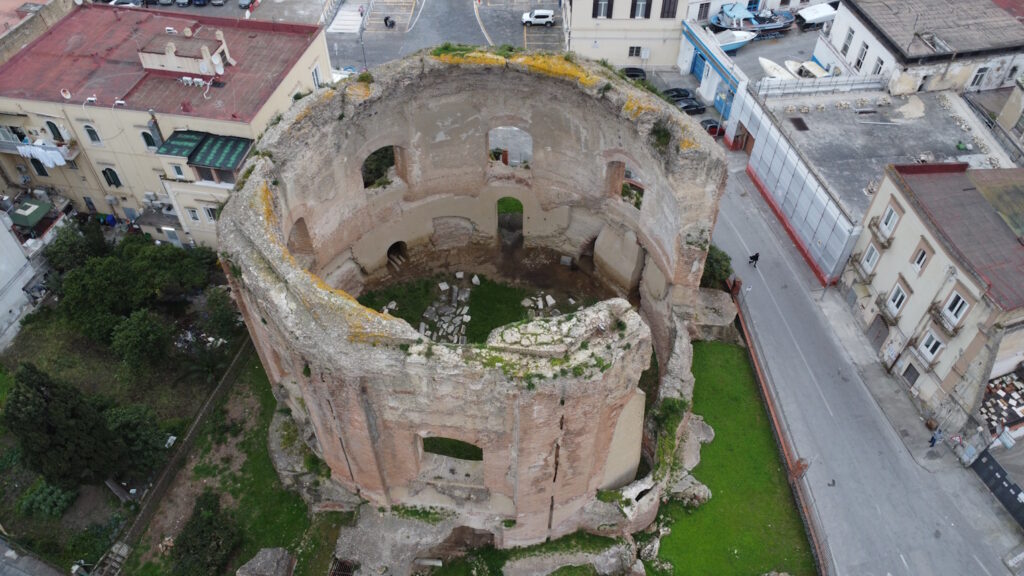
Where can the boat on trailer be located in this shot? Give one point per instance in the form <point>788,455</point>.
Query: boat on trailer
<point>808,69</point>
<point>737,17</point>
<point>732,40</point>
<point>773,70</point>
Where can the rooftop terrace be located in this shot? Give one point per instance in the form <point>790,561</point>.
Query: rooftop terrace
<point>94,51</point>
<point>849,138</point>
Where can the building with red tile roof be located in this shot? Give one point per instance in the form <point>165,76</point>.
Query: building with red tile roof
<point>86,108</point>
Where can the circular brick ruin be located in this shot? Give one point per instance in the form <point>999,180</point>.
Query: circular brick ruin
<point>553,403</point>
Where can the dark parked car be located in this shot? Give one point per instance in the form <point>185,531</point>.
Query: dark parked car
<point>713,127</point>
<point>634,73</point>
<point>199,2</point>
<point>690,106</point>
<point>677,93</point>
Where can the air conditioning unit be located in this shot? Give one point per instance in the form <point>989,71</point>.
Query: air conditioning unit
<point>25,180</point>
<point>199,82</point>
<point>186,80</point>
<point>148,203</point>
<point>112,200</point>
<point>151,196</point>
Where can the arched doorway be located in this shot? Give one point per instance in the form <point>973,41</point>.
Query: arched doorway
<point>398,254</point>
<point>510,222</point>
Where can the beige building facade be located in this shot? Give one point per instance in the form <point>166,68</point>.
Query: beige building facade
<point>935,282</point>
<point>97,136</point>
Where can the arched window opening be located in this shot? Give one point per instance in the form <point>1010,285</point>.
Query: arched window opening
<point>93,135</point>
<point>398,253</point>
<point>377,166</point>
<point>452,448</point>
<point>38,167</point>
<point>510,222</point>
<point>54,131</point>
<point>113,180</point>
<point>300,244</point>
<point>510,145</point>
<point>632,189</point>
<point>149,140</point>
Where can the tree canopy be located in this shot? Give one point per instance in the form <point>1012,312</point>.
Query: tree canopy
<point>62,434</point>
<point>142,339</point>
<point>206,541</point>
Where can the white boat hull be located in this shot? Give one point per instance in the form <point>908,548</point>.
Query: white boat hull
<point>731,40</point>
<point>773,70</point>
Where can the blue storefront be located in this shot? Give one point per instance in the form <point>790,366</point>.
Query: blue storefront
<point>718,78</point>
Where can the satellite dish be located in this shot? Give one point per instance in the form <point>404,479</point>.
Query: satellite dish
<point>78,2</point>
<point>204,68</point>
<point>188,32</point>
<point>64,92</point>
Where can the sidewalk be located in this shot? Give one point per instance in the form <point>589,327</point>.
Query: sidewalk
<point>890,395</point>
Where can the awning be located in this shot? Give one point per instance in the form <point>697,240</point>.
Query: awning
<point>30,212</point>
<point>207,150</point>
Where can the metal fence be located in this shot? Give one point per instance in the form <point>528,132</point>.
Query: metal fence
<point>776,87</point>
<point>795,465</point>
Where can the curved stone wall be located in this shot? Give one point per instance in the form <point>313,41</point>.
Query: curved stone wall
<point>553,403</point>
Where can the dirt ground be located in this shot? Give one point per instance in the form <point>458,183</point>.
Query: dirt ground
<point>176,506</point>
<point>94,504</point>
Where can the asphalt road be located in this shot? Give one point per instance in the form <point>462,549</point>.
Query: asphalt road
<point>882,512</point>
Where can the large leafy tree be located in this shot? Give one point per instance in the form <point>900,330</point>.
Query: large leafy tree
<point>97,297</point>
<point>74,245</point>
<point>141,340</point>
<point>138,435</point>
<point>219,316</point>
<point>206,541</point>
<point>62,434</point>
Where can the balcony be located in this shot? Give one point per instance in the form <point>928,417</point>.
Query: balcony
<point>915,352</point>
<point>39,148</point>
<point>882,303</point>
<point>884,239</point>
<point>949,326</point>
<point>858,267</point>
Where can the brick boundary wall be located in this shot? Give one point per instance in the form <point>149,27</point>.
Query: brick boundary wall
<point>156,494</point>
<point>795,466</point>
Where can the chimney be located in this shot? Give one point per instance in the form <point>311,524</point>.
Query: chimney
<point>224,48</point>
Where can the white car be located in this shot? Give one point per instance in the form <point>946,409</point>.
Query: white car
<point>539,17</point>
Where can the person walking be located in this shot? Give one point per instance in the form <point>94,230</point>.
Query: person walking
<point>753,259</point>
<point>936,437</point>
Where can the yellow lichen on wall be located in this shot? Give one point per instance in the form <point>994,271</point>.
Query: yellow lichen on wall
<point>484,58</point>
<point>359,90</point>
<point>328,95</point>
<point>267,202</point>
<point>634,107</point>
<point>687,144</point>
<point>556,66</point>
<point>301,115</point>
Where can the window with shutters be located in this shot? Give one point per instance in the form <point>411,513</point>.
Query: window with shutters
<point>602,9</point>
<point>847,42</point>
<point>668,8</point>
<point>634,51</point>
<point>704,11</point>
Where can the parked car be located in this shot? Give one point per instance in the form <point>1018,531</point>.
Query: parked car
<point>712,127</point>
<point>199,2</point>
<point>539,17</point>
<point>677,93</point>
<point>216,2</point>
<point>690,106</point>
<point>166,2</point>
<point>125,3</point>
<point>183,3</point>
<point>634,73</point>
<point>245,4</point>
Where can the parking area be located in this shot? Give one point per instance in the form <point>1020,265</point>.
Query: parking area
<point>298,11</point>
<point>544,37</point>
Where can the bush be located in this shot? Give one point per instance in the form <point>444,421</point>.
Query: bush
<point>139,436</point>
<point>73,246</point>
<point>42,499</point>
<point>717,269</point>
<point>206,541</point>
<point>453,448</point>
<point>315,465</point>
<point>220,317</point>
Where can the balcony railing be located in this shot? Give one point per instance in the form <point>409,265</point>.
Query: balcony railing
<point>67,150</point>
<point>925,363</point>
<point>882,303</point>
<point>883,238</point>
<point>948,325</point>
<point>858,266</point>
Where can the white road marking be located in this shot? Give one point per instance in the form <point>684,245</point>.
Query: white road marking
<point>417,18</point>
<point>476,11</point>
<point>784,322</point>
<point>982,566</point>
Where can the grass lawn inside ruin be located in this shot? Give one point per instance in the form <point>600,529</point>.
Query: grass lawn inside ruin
<point>751,525</point>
